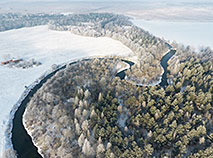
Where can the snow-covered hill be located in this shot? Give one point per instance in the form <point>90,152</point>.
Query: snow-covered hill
<point>49,47</point>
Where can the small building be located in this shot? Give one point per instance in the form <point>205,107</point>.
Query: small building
<point>11,61</point>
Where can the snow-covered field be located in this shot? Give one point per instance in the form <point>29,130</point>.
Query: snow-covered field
<point>195,34</point>
<point>49,47</point>
<point>187,10</point>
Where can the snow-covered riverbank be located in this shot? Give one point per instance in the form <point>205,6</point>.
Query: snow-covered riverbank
<point>49,47</point>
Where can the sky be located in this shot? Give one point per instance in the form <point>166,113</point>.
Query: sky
<point>171,1</point>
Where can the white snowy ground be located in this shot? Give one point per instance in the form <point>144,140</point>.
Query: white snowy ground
<point>195,34</point>
<point>49,47</point>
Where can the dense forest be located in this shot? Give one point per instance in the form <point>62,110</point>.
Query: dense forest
<point>86,111</point>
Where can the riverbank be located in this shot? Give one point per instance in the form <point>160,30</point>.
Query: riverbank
<point>50,47</point>
<point>32,92</point>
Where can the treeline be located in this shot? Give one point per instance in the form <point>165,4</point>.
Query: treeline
<point>184,54</point>
<point>85,111</point>
<point>147,48</point>
<point>10,21</point>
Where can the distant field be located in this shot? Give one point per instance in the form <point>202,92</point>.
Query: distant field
<point>177,10</point>
<point>195,34</point>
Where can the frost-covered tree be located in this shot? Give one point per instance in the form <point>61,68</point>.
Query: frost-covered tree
<point>86,94</point>
<point>81,140</point>
<point>85,114</point>
<point>120,108</point>
<point>85,125</point>
<point>87,149</point>
<point>93,114</point>
<point>100,97</point>
<point>81,92</point>
<point>109,145</point>
<point>100,148</point>
<point>78,112</point>
<point>81,103</point>
<point>86,105</point>
<point>77,128</point>
<point>76,101</point>
<point>103,81</point>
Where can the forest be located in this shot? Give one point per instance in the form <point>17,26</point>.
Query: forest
<point>96,114</point>
<point>86,110</point>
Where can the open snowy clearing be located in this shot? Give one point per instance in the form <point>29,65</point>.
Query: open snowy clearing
<point>49,47</point>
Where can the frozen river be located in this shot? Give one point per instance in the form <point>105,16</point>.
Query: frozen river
<point>195,34</point>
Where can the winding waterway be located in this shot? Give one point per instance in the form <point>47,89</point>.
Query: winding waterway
<point>164,64</point>
<point>22,142</point>
<point>122,73</point>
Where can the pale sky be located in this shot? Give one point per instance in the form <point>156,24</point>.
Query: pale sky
<point>192,1</point>
<point>145,1</point>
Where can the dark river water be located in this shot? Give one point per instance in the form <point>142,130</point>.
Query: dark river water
<point>164,64</point>
<point>122,74</point>
<point>22,142</point>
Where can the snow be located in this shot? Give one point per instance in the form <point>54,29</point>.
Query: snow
<point>195,34</point>
<point>49,47</point>
<point>122,66</point>
<point>122,119</point>
<point>193,10</point>
<point>183,89</point>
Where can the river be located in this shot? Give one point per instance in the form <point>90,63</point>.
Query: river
<point>22,142</point>
<point>164,64</point>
